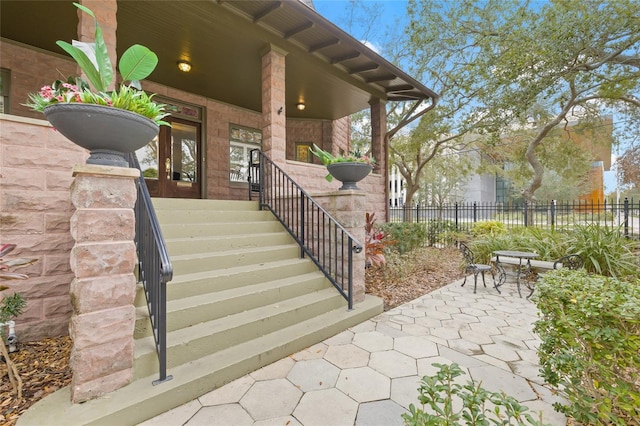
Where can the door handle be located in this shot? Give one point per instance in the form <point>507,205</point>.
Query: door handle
<point>167,167</point>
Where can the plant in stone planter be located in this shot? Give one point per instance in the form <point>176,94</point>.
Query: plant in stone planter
<point>348,169</point>
<point>135,64</point>
<point>78,109</point>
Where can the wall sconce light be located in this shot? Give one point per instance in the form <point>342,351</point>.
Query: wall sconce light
<point>184,66</point>
<point>301,106</point>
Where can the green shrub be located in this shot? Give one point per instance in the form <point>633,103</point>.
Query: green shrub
<point>150,172</point>
<point>488,227</point>
<point>438,393</point>
<point>550,245</point>
<point>435,228</point>
<point>517,239</point>
<point>451,238</point>
<point>590,331</point>
<point>604,249</point>
<point>407,236</point>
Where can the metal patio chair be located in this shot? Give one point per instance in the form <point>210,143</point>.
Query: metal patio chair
<point>480,268</point>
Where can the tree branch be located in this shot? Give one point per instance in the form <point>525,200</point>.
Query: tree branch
<point>530,154</point>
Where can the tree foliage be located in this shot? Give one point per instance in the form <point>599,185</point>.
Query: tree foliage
<point>629,167</point>
<point>503,66</point>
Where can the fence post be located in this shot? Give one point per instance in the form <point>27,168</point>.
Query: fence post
<point>456,216</point>
<point>626,217</point>
<point>526,213</point>
<point>417,212</point>
<point>553,215</point>
<point>475,212</point>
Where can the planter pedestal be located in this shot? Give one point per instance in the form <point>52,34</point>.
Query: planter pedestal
<point>103,289</point>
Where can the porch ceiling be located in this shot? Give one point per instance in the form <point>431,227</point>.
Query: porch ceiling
<point>328,70</point>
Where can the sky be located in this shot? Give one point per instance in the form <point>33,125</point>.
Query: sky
<point>393,14</point>
<point>337,11</point>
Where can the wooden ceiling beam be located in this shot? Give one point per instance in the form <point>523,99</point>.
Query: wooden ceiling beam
<point>306,26</point>
<point>267,10</point>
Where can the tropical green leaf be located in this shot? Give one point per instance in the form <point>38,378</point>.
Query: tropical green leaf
<point>85,9</point>
<point>103,60</point>
<point>85,64</point>
<point>137,63</point>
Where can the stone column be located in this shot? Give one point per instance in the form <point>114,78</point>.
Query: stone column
<point>349,209</point>
<point>379,145</point>
<point>378,132</point>
<point>103,290</point>
<point>274,121</point>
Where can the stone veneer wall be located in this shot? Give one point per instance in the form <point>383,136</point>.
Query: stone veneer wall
<point>31,69</point>
<point>35,208</point>
<point>311,176</point>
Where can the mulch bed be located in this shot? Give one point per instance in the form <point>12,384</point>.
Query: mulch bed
<point>44,365</point>
<point>44,368</point>
<point>420,272</point>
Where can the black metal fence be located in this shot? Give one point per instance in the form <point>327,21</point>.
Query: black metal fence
<point>461,217</point>
<point>320,236</point>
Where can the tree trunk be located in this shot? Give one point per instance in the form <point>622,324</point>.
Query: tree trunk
<point>408,205</point>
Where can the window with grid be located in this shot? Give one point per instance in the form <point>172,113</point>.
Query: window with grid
<point>5,81</point>
<point>241,141</point>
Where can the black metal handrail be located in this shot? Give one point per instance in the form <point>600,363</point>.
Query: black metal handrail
<point>154,268</point>
<point>325,241</point>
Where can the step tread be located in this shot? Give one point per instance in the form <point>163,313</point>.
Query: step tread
<point>222,237</point>
<point>194,204</point>
<point>231,252</point>
<point>232,293</point>
<point>181,337</point>
<point>182,278</point>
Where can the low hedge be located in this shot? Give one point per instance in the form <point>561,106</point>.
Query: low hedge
<point>590,331</point>
<point>407,235</point>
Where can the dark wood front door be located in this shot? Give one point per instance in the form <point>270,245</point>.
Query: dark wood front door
<point>171,162</point>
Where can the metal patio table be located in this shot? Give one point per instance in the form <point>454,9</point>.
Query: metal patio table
<point>521,255</point>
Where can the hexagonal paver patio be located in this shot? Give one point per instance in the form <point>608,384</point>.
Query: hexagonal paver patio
<point>369,374</point>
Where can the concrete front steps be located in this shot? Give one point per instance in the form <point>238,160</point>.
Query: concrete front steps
<point>240,299</point>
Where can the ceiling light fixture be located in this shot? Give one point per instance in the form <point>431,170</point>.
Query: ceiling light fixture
<point>301,106</point>
<point>184,66</point>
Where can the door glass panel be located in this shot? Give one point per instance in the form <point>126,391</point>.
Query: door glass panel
<point>148,158</point>
<point>184,152</point>
<point>237,163</point>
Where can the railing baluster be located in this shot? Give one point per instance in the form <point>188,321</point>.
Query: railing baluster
<point>330,246</point>
<point>154,268</point>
